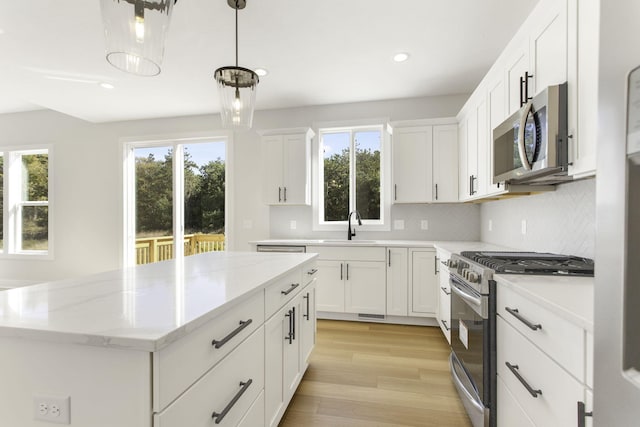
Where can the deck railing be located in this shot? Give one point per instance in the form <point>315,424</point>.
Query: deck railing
<point>154,249</point>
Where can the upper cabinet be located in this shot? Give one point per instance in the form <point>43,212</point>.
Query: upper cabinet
<point>425,164</point>
<point>559,38</point>
<point>287,154</point>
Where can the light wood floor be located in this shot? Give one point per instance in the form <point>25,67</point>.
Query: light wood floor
<point>370,374</point>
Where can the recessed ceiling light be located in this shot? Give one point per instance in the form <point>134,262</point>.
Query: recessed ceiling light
<point>401,57</point>
<point>106,85</point>
<point>261,72</point>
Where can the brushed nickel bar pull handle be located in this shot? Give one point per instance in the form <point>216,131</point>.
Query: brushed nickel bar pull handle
<point>389,257</point>
<point>445,290</point>
<point>236,331</point>
<point>341,265</point>
<point>290,334</point>
<point>436,191</point>
<point>582,414</point>
<point>288,291</point>
<point>293,321</point>
<point>220,416</point>
<point>515,313</point>
<point>312,272</point>
<point>514,371</point>
<point>306,316</point>
<point>285,194</point>
<point>395,191</point>
<point>444,323</point>
<point>347,271</point>
<point>279,194</point>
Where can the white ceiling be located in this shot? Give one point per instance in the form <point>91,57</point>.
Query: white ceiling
<point>316,51</point>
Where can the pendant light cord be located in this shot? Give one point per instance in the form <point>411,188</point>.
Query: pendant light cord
<point>237,5</point>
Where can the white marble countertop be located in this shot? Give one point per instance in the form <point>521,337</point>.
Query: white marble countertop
<point>141,308</point>
<point>449,246</point>
<point>568,297</point>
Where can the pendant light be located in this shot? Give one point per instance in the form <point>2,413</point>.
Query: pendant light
<point>236,87</point>
<point>134,32</point>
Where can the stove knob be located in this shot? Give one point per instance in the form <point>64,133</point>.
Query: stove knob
<point>465,273</point>
<point>473,277</point>
<point>452,263</point>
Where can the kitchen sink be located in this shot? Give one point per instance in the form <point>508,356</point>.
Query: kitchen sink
<point>347,241</point>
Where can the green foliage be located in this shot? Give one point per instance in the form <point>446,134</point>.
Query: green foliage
<point>204,189</point>
<point>336,185</point>
<point>35,219</point>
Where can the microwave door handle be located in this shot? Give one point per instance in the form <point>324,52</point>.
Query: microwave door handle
<point>523,123</point>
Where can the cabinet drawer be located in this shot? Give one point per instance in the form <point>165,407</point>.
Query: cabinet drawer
<point>255,415</point>
<point>352,254</point>
<point>230,388</point>
<point>557,337</point>
<point>556,404</point>
<point>283,290</point>
<point>309,272</point>
<point>180,364</point>
<point>510,413</point>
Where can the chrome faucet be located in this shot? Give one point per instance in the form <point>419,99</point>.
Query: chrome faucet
<point>351,233</point>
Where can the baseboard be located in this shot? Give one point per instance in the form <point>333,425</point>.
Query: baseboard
<point>398,320</point>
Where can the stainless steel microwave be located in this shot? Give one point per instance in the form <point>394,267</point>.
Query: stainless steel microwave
<point>531,146</point>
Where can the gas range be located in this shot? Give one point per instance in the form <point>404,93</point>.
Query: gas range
<point>477,268</point>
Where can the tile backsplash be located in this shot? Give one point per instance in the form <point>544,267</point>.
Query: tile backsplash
<point>561,221</point>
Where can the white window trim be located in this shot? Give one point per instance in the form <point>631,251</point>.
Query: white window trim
<point>11,189</point>
<point>128,189</point>
<point>384,224</point>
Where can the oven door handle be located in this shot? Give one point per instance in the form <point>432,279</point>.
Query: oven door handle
<point>453,360</point>
<point>471,299</point>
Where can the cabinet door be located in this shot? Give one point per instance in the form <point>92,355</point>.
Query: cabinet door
<point>291,369</point>
<point>481,183</point>
<point>330,290</point>
<point>549,47</point>
<point>276,329</point>
<point>510,413</point>
<point>444,296</point>
<point>273,187</point>
<point>307,323</point>
<point>463,176</point>
<point>445,163</point>
<point>497,113</point>
<point>412,159</point>
<point>397,281</point>
<point>365,287</point>
<point>424,283</point>
<point>516,68</point>
<point>297,170</point>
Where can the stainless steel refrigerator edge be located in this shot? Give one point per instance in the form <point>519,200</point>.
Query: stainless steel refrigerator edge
<point>616,397</point>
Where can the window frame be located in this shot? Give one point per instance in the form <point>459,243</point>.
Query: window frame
<point>179,141</point>
<point>383,224</point>
<point>13,203</point>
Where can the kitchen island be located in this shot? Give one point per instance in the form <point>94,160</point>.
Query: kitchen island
<point>169,344</point>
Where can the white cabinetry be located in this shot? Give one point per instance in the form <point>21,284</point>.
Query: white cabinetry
<point>351,280</point>
<point>288,166</point>
<point>423,283</point>
<point>444,294</point>
<point>397,281</point>
<point>289,339</point>
<point>425,164</point>
<point>541,363</point>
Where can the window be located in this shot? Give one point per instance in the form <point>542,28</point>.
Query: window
<point>351,172</point>
<point>25,214</point>
<point>177,194</point>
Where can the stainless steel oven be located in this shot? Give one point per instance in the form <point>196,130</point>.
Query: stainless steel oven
<point>473,358</point>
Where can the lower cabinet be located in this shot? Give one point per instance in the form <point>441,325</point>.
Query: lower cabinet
<point>444,294</point>
<point>510,413</point>
<point>397,281</point>
<point>423,283</point>
<point>289,339</point>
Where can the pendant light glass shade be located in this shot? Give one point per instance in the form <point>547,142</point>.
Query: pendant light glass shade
<point>134,33</point>
<point>237,92</point>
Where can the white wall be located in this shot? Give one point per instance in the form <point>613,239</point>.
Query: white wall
<point>87,171</point>
<point>560,221</point>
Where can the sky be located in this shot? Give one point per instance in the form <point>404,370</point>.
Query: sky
<point>335,142</point>
<point>201,153</point>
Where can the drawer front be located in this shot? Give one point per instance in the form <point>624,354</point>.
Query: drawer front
<point>444,312</point>
<point>563,341</point>
<point>180,364</point>
<point>510,413</point>
<point>255,415</point>
<point>227,391</point>
<point>360,253</point>
<point>282,291</point>
<point>309,272</point>
<point>559,391</point>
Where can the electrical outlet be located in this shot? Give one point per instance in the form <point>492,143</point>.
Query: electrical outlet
<point>53,409</point>
<point>398,224</point>
<point>293,224</point>
<point>424,224</point>
<point>524,226</point>
<point>490,225</point>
